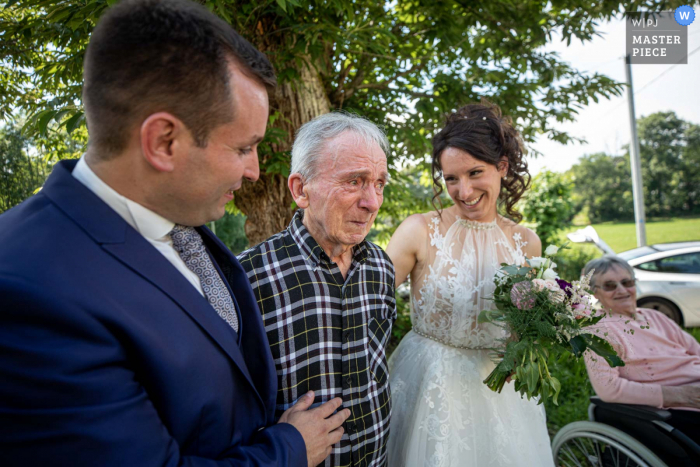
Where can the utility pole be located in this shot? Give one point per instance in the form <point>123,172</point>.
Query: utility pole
<point>635,162</point>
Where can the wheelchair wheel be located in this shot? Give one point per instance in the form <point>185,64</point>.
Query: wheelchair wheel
<point>592,444</point>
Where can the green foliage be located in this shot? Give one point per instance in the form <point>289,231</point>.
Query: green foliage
<point>571,261</point>
<point>413,186</point>
<point>603,186</point>
<point>670,156</point>
<point>403,318</point>
<point>548,206</point>
<point>231,230</point>
<point>20,174</point>
<point>403,64</point>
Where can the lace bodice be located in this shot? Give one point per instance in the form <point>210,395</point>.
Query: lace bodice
<point>457,282</point>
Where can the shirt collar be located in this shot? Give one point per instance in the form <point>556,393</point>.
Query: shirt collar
<point>149,224</point>
<point>309,246</point>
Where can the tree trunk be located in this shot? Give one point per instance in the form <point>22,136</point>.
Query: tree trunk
<point>268,203</point>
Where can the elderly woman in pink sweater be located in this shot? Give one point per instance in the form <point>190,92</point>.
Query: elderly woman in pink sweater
<point>662,362</point>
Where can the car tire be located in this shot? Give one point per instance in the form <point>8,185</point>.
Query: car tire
<point>664,306</point>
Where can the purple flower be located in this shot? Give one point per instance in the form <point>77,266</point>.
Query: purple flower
<point>565,286</point>
<point>522,295</point>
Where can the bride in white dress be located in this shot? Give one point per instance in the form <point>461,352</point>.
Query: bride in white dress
<point>442,412</point>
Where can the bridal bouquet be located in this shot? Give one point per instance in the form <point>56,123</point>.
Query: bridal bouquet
<point>547,318</point>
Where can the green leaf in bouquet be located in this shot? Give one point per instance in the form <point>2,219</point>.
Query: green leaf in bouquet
<point>578,345</point>
<point>590,321</point>
<point>490,316</point>
<point>524,270</point>
<point>532,376</point>
<point>545,329</point>
<point>603,348</point>
<point>510,270</point>
<point>519,374</point>
<point>556,387</point>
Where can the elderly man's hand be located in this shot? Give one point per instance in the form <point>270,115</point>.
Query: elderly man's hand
<point>319,427</point>
<point>681,396</point>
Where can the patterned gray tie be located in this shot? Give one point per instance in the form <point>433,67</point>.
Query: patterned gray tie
<point>188,243</point>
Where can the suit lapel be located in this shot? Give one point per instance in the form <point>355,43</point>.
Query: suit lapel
<point>120,240</point>
<point>146,261</point>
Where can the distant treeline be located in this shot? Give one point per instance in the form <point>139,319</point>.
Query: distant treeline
<point>670,156</point>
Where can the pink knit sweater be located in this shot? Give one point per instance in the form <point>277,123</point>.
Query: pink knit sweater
<point>663,355</point>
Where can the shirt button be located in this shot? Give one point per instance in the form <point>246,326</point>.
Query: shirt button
<point>346,336</point>
<point>349,381</point>
<point>351,427</point>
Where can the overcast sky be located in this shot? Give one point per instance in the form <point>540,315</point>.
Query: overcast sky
<point>606,125</point>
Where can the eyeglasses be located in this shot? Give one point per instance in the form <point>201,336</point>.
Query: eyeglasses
<point>612,285</point>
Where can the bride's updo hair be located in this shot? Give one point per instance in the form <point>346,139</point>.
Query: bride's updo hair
<point>483,132</point>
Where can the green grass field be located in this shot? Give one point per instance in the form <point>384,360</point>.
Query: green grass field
<point>622,236</point>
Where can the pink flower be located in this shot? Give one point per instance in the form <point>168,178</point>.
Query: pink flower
<point>521,295</point>
<point>583,307</point>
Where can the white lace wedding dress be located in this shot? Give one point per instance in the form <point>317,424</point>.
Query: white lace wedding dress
<point>442,412</point>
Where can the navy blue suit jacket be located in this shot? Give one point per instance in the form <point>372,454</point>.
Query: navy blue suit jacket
<point>109,356</point>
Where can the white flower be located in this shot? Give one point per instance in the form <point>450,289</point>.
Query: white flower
<point>549,274</point>
<point>537,261</point>
<point>553,265</point>
<point>551,250</point>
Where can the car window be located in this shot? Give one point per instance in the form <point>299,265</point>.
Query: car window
<point>650,266</point>
<point>684,264</point>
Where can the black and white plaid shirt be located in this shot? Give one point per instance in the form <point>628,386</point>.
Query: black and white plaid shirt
<point>328,334</point>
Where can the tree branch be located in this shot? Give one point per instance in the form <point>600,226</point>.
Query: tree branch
<point>385,84</point>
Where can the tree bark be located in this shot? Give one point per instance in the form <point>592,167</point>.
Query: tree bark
<point>268,203</point>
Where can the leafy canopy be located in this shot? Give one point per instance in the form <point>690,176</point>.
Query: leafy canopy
<point>403,63</point>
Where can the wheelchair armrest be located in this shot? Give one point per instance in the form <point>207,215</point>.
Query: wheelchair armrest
<point>642,412</point>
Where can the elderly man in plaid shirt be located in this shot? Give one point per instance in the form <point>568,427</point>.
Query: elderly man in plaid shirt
<point>325,293</point>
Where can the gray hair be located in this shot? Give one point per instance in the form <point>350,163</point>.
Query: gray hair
<point>602,265</point>
<point>310,142</point>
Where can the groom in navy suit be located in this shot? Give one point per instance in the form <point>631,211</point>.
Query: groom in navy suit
<point>129,335</point>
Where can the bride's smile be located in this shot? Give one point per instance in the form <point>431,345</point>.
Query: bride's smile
<point>473,185</point>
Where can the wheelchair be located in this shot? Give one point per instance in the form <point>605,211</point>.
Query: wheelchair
<point>621,435</point>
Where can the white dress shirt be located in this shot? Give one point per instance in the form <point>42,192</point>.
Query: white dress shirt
<point>154,228</point>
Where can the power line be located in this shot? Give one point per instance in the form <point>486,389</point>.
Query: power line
<point>607,113</point>
<point>624,99</point>
<point>662,73</point>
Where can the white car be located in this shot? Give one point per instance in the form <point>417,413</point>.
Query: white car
<point>668,275</point>
<point>668,279</point>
